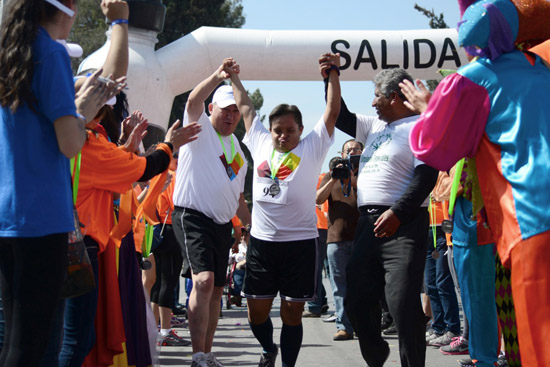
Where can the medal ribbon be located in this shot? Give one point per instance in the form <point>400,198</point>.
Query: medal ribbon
<point>230,159</point>
<point>275,167</point>
<point>454,187</point>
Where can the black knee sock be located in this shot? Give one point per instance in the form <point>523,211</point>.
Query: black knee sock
<point>264,333</point>
<point>291,342</point>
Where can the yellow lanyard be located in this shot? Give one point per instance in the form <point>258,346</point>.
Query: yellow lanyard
<point>229,160</point>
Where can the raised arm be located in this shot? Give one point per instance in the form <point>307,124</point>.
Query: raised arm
<point>246,108</point>
<point>329,65</point>
<point>195,102</point>
<point>116,62</point>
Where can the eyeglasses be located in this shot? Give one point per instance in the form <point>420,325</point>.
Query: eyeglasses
<point>350,150</point>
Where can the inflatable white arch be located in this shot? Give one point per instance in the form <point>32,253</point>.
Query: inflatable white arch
<point>156,77</point>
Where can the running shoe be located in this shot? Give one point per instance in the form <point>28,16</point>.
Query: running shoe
<point>444,339</point>
<point>178,322</point>
<point>211,360</point>
<point>458,346</point>
<point>392,330</point>
<point>173,340</point>
<point>199,360</point>
<point>331,318</point>
<point>268,359</point>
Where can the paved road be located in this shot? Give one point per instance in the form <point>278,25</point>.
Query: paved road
<point>235,345</point>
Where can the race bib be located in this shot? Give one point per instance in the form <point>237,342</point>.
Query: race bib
<point>267,191</point>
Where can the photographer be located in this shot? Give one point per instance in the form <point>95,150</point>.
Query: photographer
<point>340,188</point>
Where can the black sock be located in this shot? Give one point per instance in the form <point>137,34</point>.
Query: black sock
<point>291,342</point>
<point>264,333</point>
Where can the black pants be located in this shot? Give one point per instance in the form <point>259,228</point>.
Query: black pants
<point>32,271</point>
<point>168,262</point>
<point>395,267</point>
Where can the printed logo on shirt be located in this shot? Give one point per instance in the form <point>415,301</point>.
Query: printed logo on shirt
<point>232,169</point>
<point>379,142</point>
<point>288,165</point>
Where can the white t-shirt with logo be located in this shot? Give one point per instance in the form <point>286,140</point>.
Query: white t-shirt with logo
<point>387,163</point>
<point>203,179</point>
<point>287,213</point>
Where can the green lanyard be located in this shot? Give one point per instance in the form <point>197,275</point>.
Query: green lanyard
<point>275,166</point>
<point>78,159</point>
<point>229,160</point>
<point>147,239</point>
<point>432,220</point>
<point>454,187</point>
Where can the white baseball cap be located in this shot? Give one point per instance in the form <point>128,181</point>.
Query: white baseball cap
<point>223,96</point>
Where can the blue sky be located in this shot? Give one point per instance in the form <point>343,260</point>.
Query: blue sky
<point>333,15</point>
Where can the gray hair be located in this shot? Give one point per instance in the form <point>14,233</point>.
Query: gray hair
<point>387,81</point>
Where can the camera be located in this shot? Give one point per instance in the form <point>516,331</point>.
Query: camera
<point>340,167</point>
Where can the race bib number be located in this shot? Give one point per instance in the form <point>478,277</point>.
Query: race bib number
<point>265,190</point>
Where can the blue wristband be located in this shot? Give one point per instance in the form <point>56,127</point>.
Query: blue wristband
<point>333,67</point>
<point>119,21</point>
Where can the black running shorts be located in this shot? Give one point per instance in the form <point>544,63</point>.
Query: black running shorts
<point>288,268</point>
<point>205,245</point>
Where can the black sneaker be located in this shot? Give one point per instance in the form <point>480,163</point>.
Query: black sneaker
<point>391,330</point>
<point>268,359</point>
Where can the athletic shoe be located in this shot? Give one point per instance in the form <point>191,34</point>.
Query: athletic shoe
<point>458,346</point>
<point>331,318</point>
<point>177,322</point>
<point>392,330</point>
<point>467,362</point>
<point>502,360</point>
<point>211,360</point>
<point>342,335</point>
<point>444,339</point>
<point>173,340</point>
<point>432,334</point>
<point>310,314</point>
<point>268,359</point>
<point>199,360</point>
<point>324,309</point>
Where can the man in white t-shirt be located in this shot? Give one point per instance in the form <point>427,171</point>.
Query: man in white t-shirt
<point>281,256</point>
<point>208,192</point>
<point>389,249</point>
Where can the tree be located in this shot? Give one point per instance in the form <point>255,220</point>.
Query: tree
<point>436,22</point>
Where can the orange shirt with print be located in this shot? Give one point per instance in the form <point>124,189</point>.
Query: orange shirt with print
<point>105,169</point>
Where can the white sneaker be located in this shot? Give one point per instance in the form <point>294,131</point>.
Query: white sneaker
<point>211,360</point>
<point>199,360</point>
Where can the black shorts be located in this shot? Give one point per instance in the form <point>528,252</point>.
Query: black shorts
<point>288,268</point>
<point>205,245</point>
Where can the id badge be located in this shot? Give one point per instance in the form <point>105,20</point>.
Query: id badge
<point>266,190</point>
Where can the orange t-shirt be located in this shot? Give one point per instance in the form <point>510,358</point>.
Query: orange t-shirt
<point>322,222</point>
<point>105,169</point>
<point>165,205</point>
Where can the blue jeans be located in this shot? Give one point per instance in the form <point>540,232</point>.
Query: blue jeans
<point>338,255</point>
<point>79,330</point>
<point>440,287</point>
<point>320,292</point>
<point>238,278</point>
